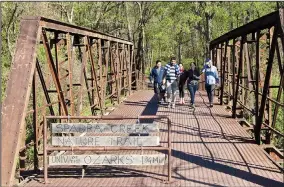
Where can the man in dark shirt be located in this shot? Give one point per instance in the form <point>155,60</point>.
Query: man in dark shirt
<point>156,78</point>
<point>192,82</point>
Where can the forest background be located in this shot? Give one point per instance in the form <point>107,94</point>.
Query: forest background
<point>159,30</point>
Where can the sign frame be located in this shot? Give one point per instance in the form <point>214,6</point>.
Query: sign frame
<point>48,148</point>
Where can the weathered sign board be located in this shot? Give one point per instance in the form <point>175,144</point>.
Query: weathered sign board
<point>103,128</point>
<point>105,140</point>
<point>113,159</point>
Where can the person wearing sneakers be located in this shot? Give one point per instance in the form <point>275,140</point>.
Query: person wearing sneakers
<point>181,83</point>
<point>211,79</point>
<point>170,78</point>
<point>156,78</point>
<point>192,82</point>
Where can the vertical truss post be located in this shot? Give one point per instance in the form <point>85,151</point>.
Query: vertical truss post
<point>57,66</point>
<point>112,70</point>
<point>70,69</point>
<point>83,60</point>
<point>219,62</point>
<point>129,69</point>
<point>35,125</point>
<point>266,86</point>
<point>269,103</point>
<point>238,79</point>
<point>243,74</point>
<point>94,73</point>
<point>107,57</point>
<point>228,75</point>
<point>233,68</point>
<point>117,74</point>
<point>102,82</point>
<point>249,70</point>
<point>124,68</point>
<point>223,64</point>
<point>257,83</point>
<point>53,71</point>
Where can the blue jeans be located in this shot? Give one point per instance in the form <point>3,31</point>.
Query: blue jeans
<point>192,88</point>
<point>210,92</point>
<point>172,87</point>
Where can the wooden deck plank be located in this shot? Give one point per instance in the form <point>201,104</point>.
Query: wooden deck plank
<point>209,149</point>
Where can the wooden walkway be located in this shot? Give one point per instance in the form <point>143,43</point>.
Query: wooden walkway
<point>209,149</point>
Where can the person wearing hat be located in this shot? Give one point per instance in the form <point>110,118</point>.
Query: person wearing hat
<point>211,79</point>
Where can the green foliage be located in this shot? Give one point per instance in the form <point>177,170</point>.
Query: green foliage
<point>168,27</point>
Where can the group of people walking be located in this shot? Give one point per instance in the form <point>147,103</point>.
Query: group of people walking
<point>167,80</point>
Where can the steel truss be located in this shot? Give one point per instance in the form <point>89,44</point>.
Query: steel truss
<point>249,60</point>
<point>60,69</point>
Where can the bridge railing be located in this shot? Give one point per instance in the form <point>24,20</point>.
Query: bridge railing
<point>251,69</point>
<point>59,69</point>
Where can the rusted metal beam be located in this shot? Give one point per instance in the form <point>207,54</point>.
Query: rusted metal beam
<point>116,72</point>
<point>70,69</point>
<point>82,72</point>
<point>106,68</point>
<point>223,72</point>
<point>58,65</point>
<point>53,72</point>
<point>16,99</point>
<point>257,61</point>
<point>94,73</point>
<point>42,81</point>
<point>258,24</point>
<point>35,124</point>
<point>238,79</point>
<point>54,25</point>
<point>266,85</point>
<point>100,65</point>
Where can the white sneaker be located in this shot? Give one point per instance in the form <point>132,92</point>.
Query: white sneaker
<point>173,106</point>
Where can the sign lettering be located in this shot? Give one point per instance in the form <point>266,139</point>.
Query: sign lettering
<point>158,159</point>
<point>105,140</point>
<point>104,128</point>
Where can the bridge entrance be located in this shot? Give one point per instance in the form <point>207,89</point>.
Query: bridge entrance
<point>88,73</point>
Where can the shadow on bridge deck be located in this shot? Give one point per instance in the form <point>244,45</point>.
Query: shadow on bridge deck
<point>209,149</point>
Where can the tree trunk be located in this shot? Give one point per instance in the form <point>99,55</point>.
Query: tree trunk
<point>207,33</point>
<point>129,34</point>
<point>179,52</point>
<point>141,40</point>
<point>230,13</point>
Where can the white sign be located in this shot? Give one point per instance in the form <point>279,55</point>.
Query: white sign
<point>103,128</point>
<point>158,159</point>
<point>105,140</point>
